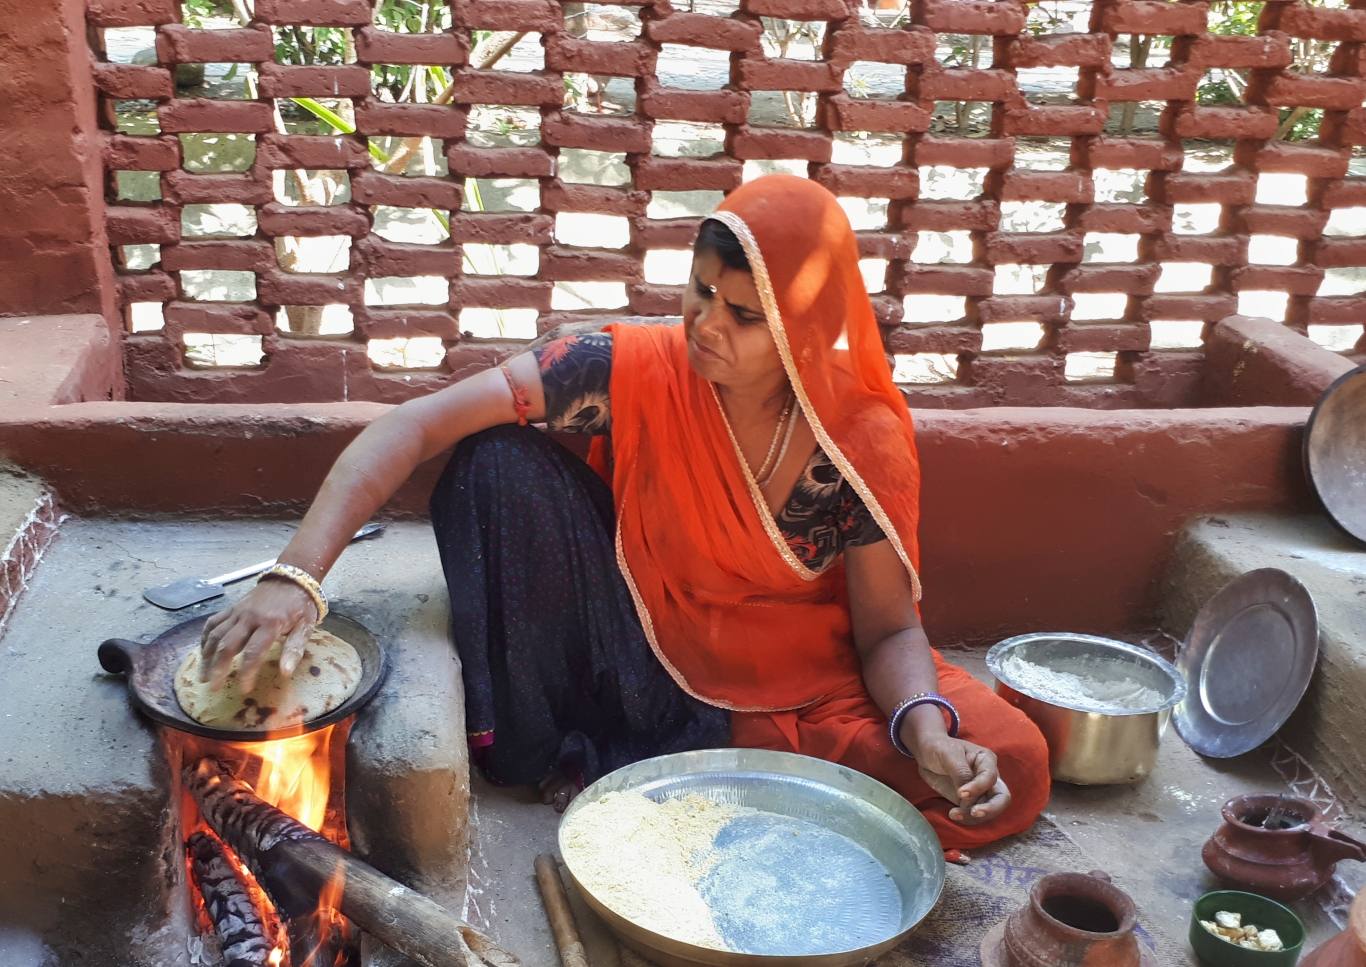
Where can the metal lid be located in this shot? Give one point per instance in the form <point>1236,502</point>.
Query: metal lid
<point>1247,663</point>
<point>1335,452</point>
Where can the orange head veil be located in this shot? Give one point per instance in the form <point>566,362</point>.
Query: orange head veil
<point>728,608</point>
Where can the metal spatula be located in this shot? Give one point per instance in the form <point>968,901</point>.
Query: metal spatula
<point>188,591</point>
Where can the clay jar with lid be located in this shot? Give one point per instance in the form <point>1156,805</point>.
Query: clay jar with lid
<point>1071,920</point>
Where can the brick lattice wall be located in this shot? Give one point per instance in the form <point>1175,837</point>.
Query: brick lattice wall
<point>1082,122</point>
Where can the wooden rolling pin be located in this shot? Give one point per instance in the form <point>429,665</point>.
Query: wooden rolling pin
<point>558,913</point>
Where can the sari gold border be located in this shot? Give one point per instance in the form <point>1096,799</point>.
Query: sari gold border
<point>775,324</point>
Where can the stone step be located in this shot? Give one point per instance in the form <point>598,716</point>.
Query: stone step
<point>29,518</point>
<point>93,867</point>
<point>1327,727</point>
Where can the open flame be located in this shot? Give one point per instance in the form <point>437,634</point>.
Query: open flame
<point>301,775</point>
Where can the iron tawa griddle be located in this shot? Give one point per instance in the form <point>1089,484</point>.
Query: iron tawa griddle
<point>1335,452</point>
<point>151,666</point>
<point>1247,662</point>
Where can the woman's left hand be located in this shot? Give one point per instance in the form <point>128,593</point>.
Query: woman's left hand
<point>966,775</point>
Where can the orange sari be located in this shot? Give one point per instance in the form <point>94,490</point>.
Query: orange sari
<point>728,608</point>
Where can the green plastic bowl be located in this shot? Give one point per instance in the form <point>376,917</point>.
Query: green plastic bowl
<point>1217,952</point>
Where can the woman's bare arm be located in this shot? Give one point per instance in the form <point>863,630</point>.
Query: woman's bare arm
<point>364,477</point>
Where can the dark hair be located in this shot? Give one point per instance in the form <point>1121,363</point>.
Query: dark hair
<point>715,237</point>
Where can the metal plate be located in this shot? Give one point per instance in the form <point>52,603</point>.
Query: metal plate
<point>151,667</point>
<point>871,868</point>
<point>1335,452</point>
<point>1247,661</point>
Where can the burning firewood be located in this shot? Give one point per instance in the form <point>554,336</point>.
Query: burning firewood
<point>297,867</point>
<point>234,915</point>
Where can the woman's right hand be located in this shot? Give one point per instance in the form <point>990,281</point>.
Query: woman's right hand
<point>274,608</point>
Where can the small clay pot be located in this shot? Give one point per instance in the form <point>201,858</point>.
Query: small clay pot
<point>1286,863</point>
<point>1347,949</point>
<point>1071,920</point>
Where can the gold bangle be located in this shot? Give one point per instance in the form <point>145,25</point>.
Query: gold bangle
<point>304,580</point>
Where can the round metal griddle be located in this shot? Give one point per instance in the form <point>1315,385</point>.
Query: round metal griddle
<point>151,666</point>
<point>864,867</point>
<point>1335,452</point>
<point>1247,663</point>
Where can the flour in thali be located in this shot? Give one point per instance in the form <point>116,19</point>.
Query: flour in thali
<point>1086,681</point>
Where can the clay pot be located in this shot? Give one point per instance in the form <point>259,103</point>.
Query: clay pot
<point>1347,949</point>
<point>1071,920</point>
<point>1284,863</point>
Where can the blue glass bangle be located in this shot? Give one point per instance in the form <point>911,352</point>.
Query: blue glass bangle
<point>915,701</point>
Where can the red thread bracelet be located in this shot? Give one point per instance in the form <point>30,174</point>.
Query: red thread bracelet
<point>521,405</point>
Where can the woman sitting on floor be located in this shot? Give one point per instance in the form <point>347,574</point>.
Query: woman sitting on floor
<point>748,577</point>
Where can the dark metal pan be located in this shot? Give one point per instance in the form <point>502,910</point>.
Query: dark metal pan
<point>1335,452</point>
<point>151,667</point>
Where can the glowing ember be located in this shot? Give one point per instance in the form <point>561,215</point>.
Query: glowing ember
<point>276,956</point>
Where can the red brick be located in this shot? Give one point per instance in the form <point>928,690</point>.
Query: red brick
<point>868,182</point>
<point>845,113</point>
<point>1054,120</point>
<point>1233,188</point>
<point>700,30</point>
<point>655,300</point>
<point>132,13</point>
<point>502,291</point>
<point>1051,186</point>
<point>1302,223</point>
<point>147,287</point>
<point>315,13</point>
<point>1126,219</point>
<point>1140,153</point>
<point>884,245</point>
<point>375,46</point>
<point>1302,159</point>
<point>1093,337</point>
<point>1270,50</point>
<point>565,53</point>
<point>177,44</point>
<point>311,151</point>
<point>964,280</point>
<point>1303,90</point>
<point>1350,309</point>
<point>999,17</point>
<point>290,289</point>
<point>1029,248</point>
<point>1134,280</point>
<point>530,16</point>
<point>707,107</point>
<point>579,265</point>
<point>445,121</point>
<point>500,87</point>
<point>185,188</point>
<point>503,229</point>
<point>369,187</point>
<point>1351,130</point>
<point>557,196</point>
<point>934,338</point>
<point>1223,123</point>
<point>1294,279</point>
<point>130,83</point>
<point>966,84</point>
<point>278,80</point>
<point>1151,84</point>
<point>499,162</point>
<point>650,233</point>
<point>684,174</point>
<point>596,133</point>
<point>911,45</point>
<point>1349,193</point>
<point>1154,17</point>
<point>1212,249</point>
<point>276,220</point>
<point>207,115</point>
<point>1320,24</point>
<point>798,9</point>
<point>1333,253</point>
<point>241,255</point>
<point>377,322</point>
<point>224,317</point>
<point>379,257</point>
<point>127,225</point>
<point>748,144</point>
<point>1060,50</point>
<point>949,216</point>
<point>966,152</point>
<point>756,74</point>
<point>126,153</point>
<point>1022,308</point>
<point>1209,308</point>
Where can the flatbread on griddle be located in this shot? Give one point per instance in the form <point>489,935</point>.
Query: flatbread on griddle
<point>327,675</point>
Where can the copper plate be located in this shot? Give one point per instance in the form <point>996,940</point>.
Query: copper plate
<point>1247,662</point>
<point>1335,452</point>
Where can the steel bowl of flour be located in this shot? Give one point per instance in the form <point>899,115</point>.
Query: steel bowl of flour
<point>751,858</point>
<point>1103,705</point>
